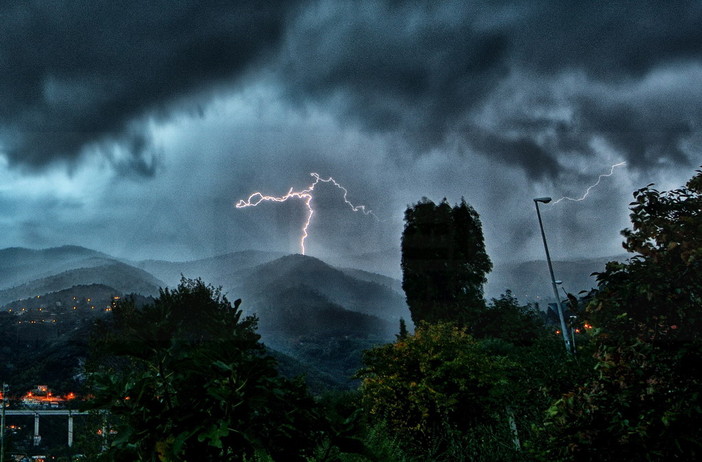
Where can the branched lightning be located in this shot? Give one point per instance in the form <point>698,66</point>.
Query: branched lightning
<point>587,191</point>
<point>306,196</point>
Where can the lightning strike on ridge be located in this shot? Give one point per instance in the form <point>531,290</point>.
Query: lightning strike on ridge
<point>611,172</point>
<point>306,196</point>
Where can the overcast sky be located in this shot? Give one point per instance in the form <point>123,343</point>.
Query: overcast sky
<point>134,127</point>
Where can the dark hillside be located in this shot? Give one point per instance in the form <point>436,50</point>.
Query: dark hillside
<point>302,310</point>
<point>338,287</point>
<point>387,281</point>
<point>219,270</point>
<point>122,277</point>
<point>319,317</point>
<point>20,265</point>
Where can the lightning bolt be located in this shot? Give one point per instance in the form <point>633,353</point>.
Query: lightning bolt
<point>305,195</point>
<point>587,191</point>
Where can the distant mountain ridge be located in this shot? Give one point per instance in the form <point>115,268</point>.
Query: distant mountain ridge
<point>339,287</point>
<point>531,282</point>
<point>119,276</point>
<point>217,270</point>
<point>19,265</point>
<point>264,279</point>
<point>317,317</point>
<point>323,317</point>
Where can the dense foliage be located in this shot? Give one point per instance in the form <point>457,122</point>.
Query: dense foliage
<point>444,262</point>
<point>504,318</point>
<point>429,382</point>
<point>645,402</point>
<point>444,394</point>
<point>190,380</point>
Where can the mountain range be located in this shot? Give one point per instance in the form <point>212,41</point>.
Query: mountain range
<point>530,281</point>
<point>313,314</point>
<point>258,277</point>
<point>318,317</point>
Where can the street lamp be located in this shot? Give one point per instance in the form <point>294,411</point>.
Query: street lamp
<point>564,329</point>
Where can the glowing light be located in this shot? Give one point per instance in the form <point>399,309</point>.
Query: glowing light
<point>305,195</point>
<point>587,191</point>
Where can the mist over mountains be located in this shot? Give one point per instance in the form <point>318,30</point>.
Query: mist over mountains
<point>263,279</point>
<point>530,281</point>
<point>316,318</point>
<point>257,276</point>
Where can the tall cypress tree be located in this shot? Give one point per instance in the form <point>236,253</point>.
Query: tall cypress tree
<point>444,262</point>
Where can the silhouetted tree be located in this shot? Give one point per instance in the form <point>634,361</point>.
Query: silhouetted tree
<point>190,380</point>
<point>504,318</point>
<point>444,262</point>
<point>403,330</point>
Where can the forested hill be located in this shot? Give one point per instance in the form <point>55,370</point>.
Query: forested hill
<point>252,275</point>
<point>20,265</point>
<point>121,277</point>
<point>338,286</point>
<point>320,316</point>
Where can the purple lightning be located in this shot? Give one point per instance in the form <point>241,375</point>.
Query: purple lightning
<point>306,196</point>
<point>611,172</point>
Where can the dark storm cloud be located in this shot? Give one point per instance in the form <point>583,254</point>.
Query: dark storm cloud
<point>83,73</point>
<point>607,40</point>
<point>515,150</point>
<point>647,134</point>
<point>426,71</point>
<point>394,66</point>
<point>89,74</point>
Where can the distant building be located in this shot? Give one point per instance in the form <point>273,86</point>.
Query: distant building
<point>42,397</point>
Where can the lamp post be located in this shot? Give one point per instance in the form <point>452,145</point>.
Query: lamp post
<point>564,328</point>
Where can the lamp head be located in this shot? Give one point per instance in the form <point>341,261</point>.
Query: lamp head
<point>544,200</point>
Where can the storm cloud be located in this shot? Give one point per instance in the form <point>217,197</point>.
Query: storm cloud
<point>88,74</point>
<point>182,108</point>
<point>427,71</point>
<point>81,76</point>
